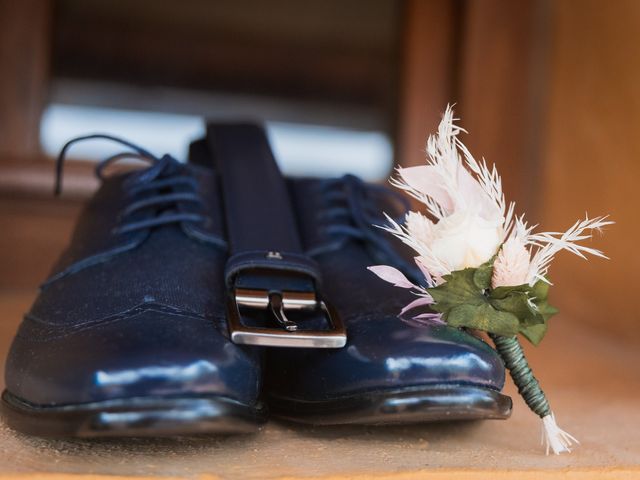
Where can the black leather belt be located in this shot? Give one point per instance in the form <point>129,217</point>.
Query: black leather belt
<point>273,286</point>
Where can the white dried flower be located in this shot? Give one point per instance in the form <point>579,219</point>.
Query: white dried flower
<point>511,267</point>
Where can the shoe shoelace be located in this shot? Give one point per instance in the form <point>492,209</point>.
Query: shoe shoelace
<point>164,186</point>
<point>162,191</point>
<point>352,210</point>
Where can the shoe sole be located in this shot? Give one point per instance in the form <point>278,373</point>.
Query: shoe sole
<point>134,417</point>
<point>414,405</point>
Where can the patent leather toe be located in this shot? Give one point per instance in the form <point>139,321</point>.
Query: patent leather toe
<point>386,353</point>
<point>147,353</point>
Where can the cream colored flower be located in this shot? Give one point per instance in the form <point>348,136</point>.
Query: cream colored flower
<point>465,240</point>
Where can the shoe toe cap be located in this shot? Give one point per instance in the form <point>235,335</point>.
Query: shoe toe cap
<point>388,353</point>
<point>149,354</point>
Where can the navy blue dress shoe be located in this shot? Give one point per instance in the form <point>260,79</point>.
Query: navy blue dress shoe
<point>390,371</point>
<point>128,336</point>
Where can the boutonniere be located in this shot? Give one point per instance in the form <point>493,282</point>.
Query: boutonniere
<point>484,267</point>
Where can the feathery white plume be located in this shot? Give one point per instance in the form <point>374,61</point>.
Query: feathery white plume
<point>550,243</point>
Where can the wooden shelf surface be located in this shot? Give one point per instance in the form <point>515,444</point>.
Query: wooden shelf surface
<point>592,382</point>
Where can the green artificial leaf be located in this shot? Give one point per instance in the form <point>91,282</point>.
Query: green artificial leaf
<point>504,292</point>
<point>458,289</point>
<point>534,333</point>
<point>539,294</point>
<point>540,290</point>
<point>546,310</point>
<point>483,317</point>
<point>482,275</point>
<point>466,300</point>
<point>516,300</point>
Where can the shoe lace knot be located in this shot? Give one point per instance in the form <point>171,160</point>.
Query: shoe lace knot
<point>163,193</point>
<point>352,209</point>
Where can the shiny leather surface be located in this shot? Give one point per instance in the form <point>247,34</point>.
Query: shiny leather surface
<point>383,352</point>
<point>146,316</point>
<point>146,319</point>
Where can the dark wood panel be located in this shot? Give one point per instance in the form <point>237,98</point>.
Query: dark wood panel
<point>503,89</point>
<point>592,158</point>
<point>331,50</point>
<point>427,75</point>
<point>24,65</point>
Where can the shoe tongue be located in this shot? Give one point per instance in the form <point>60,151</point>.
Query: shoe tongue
<point>199,154</point>
<point>308,204</point>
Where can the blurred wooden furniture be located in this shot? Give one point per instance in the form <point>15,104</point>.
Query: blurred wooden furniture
<point>24,63</point>
<point>548,91</point>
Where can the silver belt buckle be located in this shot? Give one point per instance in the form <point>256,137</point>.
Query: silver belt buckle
<point>289,334</point>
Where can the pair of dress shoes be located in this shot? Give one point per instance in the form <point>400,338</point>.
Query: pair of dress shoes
<point>197,297</point>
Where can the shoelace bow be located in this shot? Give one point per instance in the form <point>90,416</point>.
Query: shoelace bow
<point>160,180</point>
<point>352,209</point>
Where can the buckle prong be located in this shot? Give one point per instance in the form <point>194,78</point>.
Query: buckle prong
<point>291,335</point>
<point>277,308</point>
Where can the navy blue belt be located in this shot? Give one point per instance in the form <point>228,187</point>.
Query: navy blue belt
<point>273,287</point>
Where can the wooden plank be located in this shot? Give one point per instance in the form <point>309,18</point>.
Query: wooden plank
<point>502,88</point>
<point>426,82</point>
<point>622,473</point>
<point>591,381</point>
<point>35,177</point>
<point>592,158</point>
<point>34,233</point>
<point>24,65</point>
<point>560,120</point>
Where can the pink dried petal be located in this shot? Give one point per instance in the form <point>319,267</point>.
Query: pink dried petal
<point>428,181</point>
<point>424,270</point>
<point>391,275</point>
<point>475,196</point>
<point>418,302</point>
<point>430,318</point>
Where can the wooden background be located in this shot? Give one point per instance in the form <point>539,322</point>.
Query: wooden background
<point>592,157</point>
<point>548,90</point>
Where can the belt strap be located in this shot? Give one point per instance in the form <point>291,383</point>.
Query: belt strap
<point>256,200</point>
<point>266,269</point>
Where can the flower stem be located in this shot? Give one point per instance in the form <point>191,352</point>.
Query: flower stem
<point>528,387</point>
<point>512,354</point>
